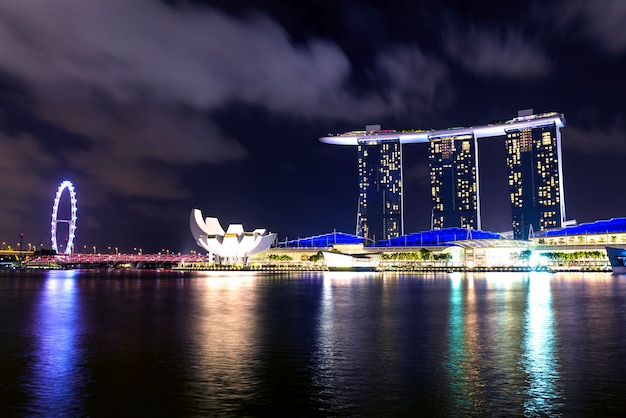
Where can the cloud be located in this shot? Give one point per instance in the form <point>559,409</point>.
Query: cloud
<point>505,54</point>
<point>135,150</point>
<point>143,49</point>
<point>24,171</point>
<point>138,78</point>
<point>608,138</point>
<point>601,20</point>
<point>416,81</point>
<point>134,83</point>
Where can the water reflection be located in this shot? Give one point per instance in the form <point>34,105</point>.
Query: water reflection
<point>252,344</point>
<point>224,344</point>
<point>505,316</point>
<point>56,373</point>
<point>360,345</point>
<point>539,360</point>
<point>495,363</point>
<point>342,350</point>
<point>456,350</point>
<point>323,353</point>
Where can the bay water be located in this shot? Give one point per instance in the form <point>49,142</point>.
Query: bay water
<point>158,343</point>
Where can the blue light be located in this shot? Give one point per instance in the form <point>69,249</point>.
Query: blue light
<point>437,237</point>
<point>598,227</point>
<point>323,241</point>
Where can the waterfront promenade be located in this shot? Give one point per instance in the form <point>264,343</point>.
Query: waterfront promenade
<point>200,262</point>
<point>113,260</point>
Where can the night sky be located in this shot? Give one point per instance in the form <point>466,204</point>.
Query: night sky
<point>153,108</point>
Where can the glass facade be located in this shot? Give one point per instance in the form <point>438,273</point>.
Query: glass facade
<point>380,208</point>
<point>453,163</point>
<point>535,180</point>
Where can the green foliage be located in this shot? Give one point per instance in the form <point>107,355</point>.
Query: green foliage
<point>316,257</point>
<point>280,257</point>
<point>569,257</point>
<point>443,257</point>
<point>401,256</point>
<point>422,255</point>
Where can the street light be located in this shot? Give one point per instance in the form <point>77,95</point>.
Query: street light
<point>94,249</point>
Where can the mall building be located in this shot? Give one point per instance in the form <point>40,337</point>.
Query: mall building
<point>438,249</point>
<point>576,246</point>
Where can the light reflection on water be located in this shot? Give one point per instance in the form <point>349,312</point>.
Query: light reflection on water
<point>456,357</point>
<point>224,340</point>
<point>324,353</point>
<point>539,360</point>
<point>55,374</point>
<point>316,344</point>
<point>501,345</point>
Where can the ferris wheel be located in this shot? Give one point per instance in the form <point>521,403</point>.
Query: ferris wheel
<point>71,222</point>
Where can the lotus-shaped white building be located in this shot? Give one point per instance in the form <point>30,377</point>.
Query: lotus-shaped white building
<point>233,246</point>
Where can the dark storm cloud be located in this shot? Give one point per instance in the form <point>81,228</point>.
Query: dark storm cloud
<point>600,20</point>
<point>501,53</point>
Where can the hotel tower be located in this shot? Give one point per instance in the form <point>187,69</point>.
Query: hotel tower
<point>533,157</point>
<point>380,188</point>
<point>453,164</point>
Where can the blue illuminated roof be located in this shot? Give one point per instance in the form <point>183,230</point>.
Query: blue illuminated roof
<point>323,241</point>
<point>597,227</point>
<point>437,237</point>
<point>425,238</point>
